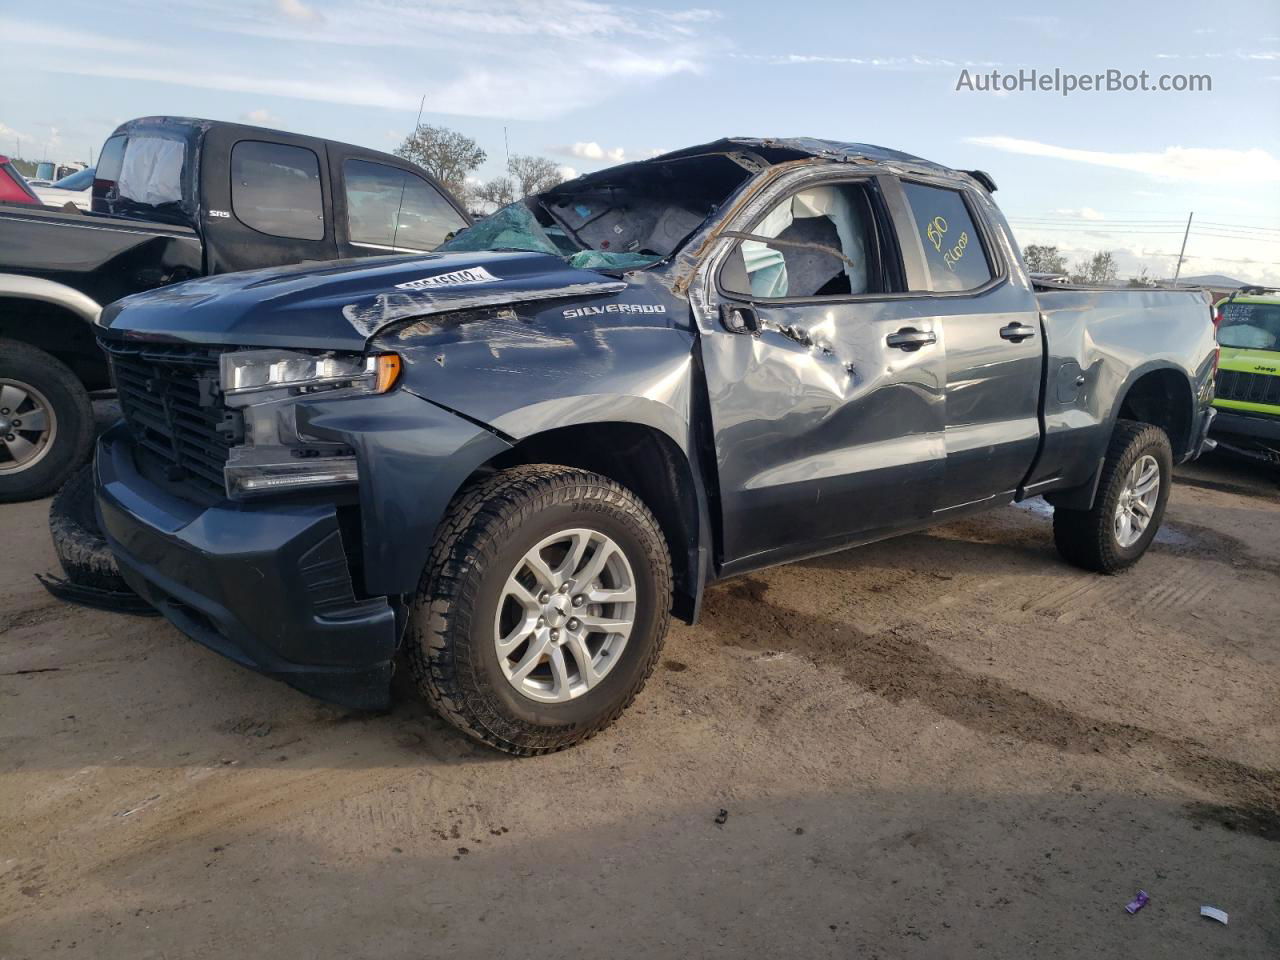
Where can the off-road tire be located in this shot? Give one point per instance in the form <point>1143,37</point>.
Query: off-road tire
<point>450,643</point>
<point>1086,538</point>
<point>81,548</point>
<point>71,409</point>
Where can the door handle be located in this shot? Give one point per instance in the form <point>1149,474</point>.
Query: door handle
<point>909,338</point>
<point>1017,332</point>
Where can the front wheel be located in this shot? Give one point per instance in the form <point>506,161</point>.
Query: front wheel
<point>543,608</point>
<point>1128,507</point>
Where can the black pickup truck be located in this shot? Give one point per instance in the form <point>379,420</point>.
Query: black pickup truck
<point>176,198</point>
<point>512,460</point>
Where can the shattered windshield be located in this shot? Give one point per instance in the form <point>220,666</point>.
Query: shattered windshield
<point>625,218</point>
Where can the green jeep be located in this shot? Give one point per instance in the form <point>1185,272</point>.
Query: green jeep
<point>1248,385</point>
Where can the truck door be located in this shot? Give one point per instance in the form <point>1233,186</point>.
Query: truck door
<point>263,199</point>
<point>381,206</point>
<point>825,381</point>
<point>991,325</point>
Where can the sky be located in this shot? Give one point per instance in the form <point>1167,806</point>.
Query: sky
<point>591,83</point>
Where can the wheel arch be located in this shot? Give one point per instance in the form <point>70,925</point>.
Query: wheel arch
<point>1163,395</point>
<point>649,462</point>
<point>20,287</point>
<point>54,318</point>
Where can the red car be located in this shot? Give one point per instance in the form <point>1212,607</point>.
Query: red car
<point>13,188</point>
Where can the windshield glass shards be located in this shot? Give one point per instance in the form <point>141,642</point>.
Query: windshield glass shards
<point>514,227</point>
<point>625,218</point>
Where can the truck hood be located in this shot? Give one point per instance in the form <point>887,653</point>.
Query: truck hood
<point>339,305</point>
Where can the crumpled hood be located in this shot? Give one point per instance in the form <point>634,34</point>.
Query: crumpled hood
<point>339,305</point>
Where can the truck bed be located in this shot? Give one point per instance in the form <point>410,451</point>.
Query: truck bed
<point>1098,341</point>
<point>104,257</point>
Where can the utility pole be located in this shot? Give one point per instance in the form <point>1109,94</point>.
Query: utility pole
<point>1178,269</point>
<point>506,147</point>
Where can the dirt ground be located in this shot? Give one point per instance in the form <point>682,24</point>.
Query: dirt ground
<point>948,745</point>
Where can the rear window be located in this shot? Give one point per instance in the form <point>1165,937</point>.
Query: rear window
<point>145,171</point>
<point>952,244</point>
<point>110,159</point>
<point>1253,326</point>
<point>388,207</point>
<point>275,189</point>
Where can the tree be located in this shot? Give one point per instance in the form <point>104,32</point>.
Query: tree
<point>446,154</point>
<point>533,174</point>
<point>1100,268</point>
<point>1042,259</point>
<point>1142,280</point>
<point>499,190</point>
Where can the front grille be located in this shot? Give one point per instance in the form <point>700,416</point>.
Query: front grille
<point>169,398</point>
<point>1248,387</point>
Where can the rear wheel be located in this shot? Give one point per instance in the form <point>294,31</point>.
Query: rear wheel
<point>1128,507</point>
<point>543,609</point>
<point>46,422</point>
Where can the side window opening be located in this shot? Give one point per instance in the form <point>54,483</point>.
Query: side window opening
<point>953,245</point>
<point>819,241</point>
<point>393,208</point>
<point>275,189</point>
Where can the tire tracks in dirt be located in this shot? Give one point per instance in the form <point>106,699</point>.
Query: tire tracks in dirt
<point>899,663</point>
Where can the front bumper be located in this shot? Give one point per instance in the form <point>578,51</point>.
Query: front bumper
<point>1237,423</point>
<point>266,585</point>
<point>1203,444</point>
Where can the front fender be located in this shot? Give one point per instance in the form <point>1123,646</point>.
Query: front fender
<point>413,457</point>
<point>36,288</point>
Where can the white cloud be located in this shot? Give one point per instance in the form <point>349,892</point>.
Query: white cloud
<point>568,172</point>
<point>7,133</point>
<point>695,15</point>
<point>38,144</point>
<point>34,34</point>
<point>1208,164</point>
<point>912,61</point>
<point>299,11</point>
<point>261,118</point>
<point>590,150</point>
<point>533,59</point>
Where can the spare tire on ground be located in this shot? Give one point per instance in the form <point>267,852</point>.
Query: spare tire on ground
<point>92,575</point>
<point>82,550</point>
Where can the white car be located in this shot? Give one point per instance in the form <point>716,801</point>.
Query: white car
<point>76,188</point>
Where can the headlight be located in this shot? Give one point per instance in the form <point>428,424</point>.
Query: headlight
<point>248,371</point>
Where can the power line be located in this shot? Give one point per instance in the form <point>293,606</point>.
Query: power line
<point>1141,232</point>
<point>1108,221</point>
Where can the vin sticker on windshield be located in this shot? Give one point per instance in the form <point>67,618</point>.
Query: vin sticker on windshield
<point>452,279</point>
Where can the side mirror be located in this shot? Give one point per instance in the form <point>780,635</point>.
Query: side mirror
<point>739,318</point>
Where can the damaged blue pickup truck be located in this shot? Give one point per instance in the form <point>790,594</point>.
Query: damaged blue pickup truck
<point>508,463</point>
